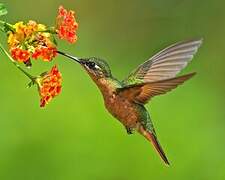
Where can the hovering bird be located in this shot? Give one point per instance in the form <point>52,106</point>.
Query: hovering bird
<point>125,99</point>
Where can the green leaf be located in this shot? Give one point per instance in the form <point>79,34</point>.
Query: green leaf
<point>3,10</point>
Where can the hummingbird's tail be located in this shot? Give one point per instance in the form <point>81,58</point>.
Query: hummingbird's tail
<point>153,139</point>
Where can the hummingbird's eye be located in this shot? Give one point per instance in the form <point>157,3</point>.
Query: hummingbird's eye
<point>91,65</point>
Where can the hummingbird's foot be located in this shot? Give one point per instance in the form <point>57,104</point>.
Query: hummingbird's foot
<point>129,130</point>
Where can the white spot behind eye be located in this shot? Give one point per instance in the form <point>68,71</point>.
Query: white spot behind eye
<point>97,67</point>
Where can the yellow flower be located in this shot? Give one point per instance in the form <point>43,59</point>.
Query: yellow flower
<point>19,26</point>
<point>17,37</point>
<point>31,37</point>
<point>41,27</point>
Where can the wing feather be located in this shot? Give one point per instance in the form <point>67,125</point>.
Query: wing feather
<point>142,93</point>
<point>165,64</point>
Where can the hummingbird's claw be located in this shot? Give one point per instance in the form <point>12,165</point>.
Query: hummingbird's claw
<point>129,130</point>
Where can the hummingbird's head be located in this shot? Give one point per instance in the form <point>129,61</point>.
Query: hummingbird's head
<point>97,68</point>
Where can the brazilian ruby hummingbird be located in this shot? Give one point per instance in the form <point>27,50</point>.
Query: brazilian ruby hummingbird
<point>125,99</point>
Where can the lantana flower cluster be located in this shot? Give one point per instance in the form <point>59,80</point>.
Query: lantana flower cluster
<point>49,85</point>
<point>31,40</point>
<point>66,25</point>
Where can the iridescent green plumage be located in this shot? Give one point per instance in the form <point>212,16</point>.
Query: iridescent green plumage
<point>125,100</point>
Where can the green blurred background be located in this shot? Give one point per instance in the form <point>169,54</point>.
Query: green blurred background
<point>75,138</point>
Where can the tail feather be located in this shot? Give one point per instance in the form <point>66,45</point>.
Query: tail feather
<point>153,139</point>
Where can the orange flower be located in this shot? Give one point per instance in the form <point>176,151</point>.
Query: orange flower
<point>45,53</point>
<point>66,25</point>
<point>20,55</point>
<point>49,85</point>
<point>28,39</point>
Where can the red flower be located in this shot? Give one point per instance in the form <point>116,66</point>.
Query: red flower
<point>45,53</point>
<point>20,54</point>
<point>49,85</point>
<point>66,25</point>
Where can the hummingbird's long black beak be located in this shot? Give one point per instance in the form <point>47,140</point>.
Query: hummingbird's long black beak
<point>69,56</point>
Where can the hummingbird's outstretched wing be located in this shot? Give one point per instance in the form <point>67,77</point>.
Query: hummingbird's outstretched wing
<point>165,64</point>
<point>142,93</point>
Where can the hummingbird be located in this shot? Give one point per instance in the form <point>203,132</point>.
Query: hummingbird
<point>125,99</point>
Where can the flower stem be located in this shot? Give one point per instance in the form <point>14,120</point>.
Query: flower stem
<point>2,29</point>
<point>2,22</point>
<point>32,78</point>
<point>7,26</point>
